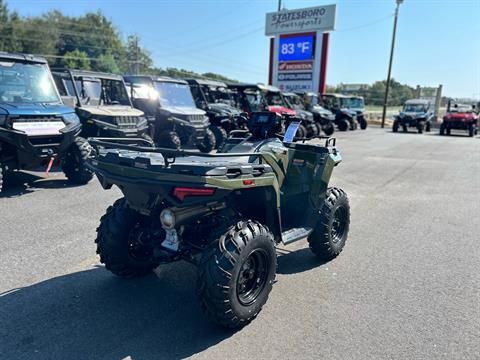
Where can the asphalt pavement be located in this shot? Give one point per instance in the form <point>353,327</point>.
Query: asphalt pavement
<point>407,285</point>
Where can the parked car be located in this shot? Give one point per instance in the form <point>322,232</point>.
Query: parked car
<point>36,128</point>
<point>338,104</point>
<point>175,119</point>
<point>416,113</point>
<point>215,98</point>
<point>460,117</point>
<point>102,103</point>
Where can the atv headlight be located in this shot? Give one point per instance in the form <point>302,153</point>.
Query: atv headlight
<point>167,218</point>
<point>71,118</point>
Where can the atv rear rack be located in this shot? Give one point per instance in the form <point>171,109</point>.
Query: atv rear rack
<point>169,155</point>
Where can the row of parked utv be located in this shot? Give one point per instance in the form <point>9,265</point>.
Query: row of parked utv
<point>47,115</point>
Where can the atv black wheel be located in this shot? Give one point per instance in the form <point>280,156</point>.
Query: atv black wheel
<point>442,129</point>
<point>363,123</point>
<point>404,128</point>
<point>2,172</point>
<point>427,126</point>
<point>301,132</point>
<point>328,129</point>
<point>448,131</point>
<point>121,248</point>
<point>420,128</point>
<point>471,130</point>
<point>236,274</point>
<point>168,139</point>
<point>343,125</point>
<point>312,130</point>
<point>220,136</point>
<point>208,142</point>
<point>330,234</point>
<point>395,126</point>
<point>74,162</point>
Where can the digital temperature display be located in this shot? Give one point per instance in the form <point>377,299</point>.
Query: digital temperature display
<point>292,48</point>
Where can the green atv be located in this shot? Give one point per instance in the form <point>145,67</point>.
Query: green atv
<point>223,212</point>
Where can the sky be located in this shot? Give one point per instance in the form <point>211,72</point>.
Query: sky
<point>438,41</point>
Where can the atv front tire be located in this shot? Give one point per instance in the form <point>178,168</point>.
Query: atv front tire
<point>395,126</point>
<point>208,142</point>
<point>168,139</point>
<point>343,125</point>
<point>301,132</point>
<point>74,162</point>
<point>236,274</point>
<point>427,127</point>
<point>328,129</point>
<point>2,172</point>
<point>442,129</point>
<point>330,234</point>
<point>118,249</point>
<point>220,136</point>
<point>471,130</point>
<point>312,130</point>
<point>363,123</point>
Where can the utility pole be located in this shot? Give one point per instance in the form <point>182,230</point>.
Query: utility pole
<point>279,5</point>
<point>384,115</point>
<point>136,63</point>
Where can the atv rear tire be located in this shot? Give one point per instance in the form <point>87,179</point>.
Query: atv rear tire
<point>220,136</point>
<point>343,125</point>
<point>115,244</point>
<point>168,139</point>
<point>236,274</point>
<point>328,129</point>
<point>74,162</point>
<point>330,234</point>
<point>208,142</point>
<point>427,127</point>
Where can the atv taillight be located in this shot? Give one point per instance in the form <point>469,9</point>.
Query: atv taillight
<point>182,192</point>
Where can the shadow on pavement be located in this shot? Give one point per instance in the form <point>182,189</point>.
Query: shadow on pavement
<point>297,261</point>
<point>94,315</point>
<point>20,183</point>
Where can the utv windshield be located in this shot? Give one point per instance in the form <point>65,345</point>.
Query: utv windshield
<point>356,103</point>
<point>26,83</point>
<point>96,91</point>
<point>274,99</point>
<point>294,102</point>
<point>461,109</point>
<point>174,94</point>
<point>255,100</point>
<point>417,108</point>
<point>217,95</point>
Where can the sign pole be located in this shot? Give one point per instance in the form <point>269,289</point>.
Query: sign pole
<point>384,114</point>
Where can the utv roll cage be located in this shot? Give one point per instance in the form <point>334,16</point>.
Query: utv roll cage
<point>84,75</point>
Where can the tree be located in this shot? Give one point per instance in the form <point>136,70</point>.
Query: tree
<point>76,59</point>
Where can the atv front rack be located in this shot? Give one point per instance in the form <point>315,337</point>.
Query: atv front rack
<point>169,155</point>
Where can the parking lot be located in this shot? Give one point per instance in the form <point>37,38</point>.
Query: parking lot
<point>407,285</point>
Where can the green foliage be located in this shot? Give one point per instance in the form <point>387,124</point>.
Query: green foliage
<point>374,94</point>
<point>76,59</point>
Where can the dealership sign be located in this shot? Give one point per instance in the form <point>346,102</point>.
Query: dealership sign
<point>298,50</point>
<point>318,18</point>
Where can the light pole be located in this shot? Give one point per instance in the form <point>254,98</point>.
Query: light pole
<point>390,63</point>
<point>279,5</point>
